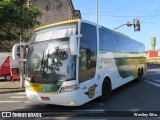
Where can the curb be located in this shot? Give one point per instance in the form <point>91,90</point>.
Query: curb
<point>13,91</point>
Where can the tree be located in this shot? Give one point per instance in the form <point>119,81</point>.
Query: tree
<point>16,17</point>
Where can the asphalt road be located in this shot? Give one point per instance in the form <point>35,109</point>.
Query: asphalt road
<point>125,101</point>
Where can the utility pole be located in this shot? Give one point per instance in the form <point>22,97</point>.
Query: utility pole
<point>97,11</point>
<point>21,22</point>
<point>127,24</point>
<point>21,50</point>
<point>136,24</point>
<point>97,24</point>
<point>21,65</point>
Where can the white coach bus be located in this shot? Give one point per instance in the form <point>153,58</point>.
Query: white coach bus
<point>67,65</point>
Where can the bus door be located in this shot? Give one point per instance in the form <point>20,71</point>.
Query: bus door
<point>88,60</point>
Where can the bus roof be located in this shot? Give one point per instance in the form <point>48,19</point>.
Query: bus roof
<point>58,23</point>
<point>86,21</point>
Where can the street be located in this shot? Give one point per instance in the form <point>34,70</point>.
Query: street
<point>132,97</point>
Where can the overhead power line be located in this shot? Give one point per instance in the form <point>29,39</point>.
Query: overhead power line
<point>139,16</point>
<point>149,11</point>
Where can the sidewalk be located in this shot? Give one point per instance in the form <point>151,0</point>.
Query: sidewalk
<point>9,86</point>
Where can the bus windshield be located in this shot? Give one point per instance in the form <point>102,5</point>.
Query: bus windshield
<point>50,61</point>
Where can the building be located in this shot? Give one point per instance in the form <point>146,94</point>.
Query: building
<point>56,11</point>
<point>153,56</point>
<point>53,11</point>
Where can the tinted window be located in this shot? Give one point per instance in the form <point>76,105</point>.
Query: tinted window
<point>141,47</point>
<point>136,47</point>
<point>88,52</point>
<point>127,45</point>
<point>105,43</point>
<point>144,48</point>
<point>118,43</point>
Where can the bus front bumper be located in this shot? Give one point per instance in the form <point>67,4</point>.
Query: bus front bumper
<point>65,99</point>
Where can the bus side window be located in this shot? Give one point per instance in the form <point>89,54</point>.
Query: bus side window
<point>118,44</point>
<point>85,65</point>
<point>105,42</point>
<point>127,45</point>
<point>83,59</point>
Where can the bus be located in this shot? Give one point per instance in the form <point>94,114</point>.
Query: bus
<point>67,65</point>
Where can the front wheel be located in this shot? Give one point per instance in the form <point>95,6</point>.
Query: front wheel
<point>106,89</point>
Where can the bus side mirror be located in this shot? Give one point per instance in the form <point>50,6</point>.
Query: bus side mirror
<point>15,51</point>
<point>73,45</point>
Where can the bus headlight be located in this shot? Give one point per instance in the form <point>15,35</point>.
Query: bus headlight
<point>69,88</point>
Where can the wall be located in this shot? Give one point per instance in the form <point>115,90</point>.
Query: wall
<point>153,57</point>
<point>54,10</point>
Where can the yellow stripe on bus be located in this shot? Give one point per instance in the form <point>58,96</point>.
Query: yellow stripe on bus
<point>35,87</point>
<point>59,23</point>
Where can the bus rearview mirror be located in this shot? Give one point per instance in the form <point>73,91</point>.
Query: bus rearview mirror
<point>73,45</point>
<point>15,51</point>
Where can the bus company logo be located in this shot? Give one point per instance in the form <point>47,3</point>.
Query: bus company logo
<point>91,91</point>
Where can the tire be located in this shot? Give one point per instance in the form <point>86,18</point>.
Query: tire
<point>142,72</point>
<point>139,78</point>
<point>106,90</point>
<point>8,77</point>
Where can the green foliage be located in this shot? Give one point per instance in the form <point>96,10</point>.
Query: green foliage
<point>15,17</point>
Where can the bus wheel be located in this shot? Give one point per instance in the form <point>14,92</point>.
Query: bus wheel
<point>142,72</point>
<point>106,89</point>
<point>139,75</point>
<point>8,77</point>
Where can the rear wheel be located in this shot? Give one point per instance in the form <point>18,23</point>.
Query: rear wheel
<point>139,75</point>
<point>106,89</point>
<point>8,77</point>
<point>142,72</point>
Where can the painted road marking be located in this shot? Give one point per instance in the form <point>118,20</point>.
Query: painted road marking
<point>153,83</point>
<point>27,102</point>
<point>10,101</point>
<point>17,97</point>
<point>153,70</point>
<point>157,80</point>
<point>21,93</point>
<point>151,74</point>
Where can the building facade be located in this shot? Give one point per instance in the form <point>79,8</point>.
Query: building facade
<point>56,11</point>
<point>52,11</point>
<point>153,56</point>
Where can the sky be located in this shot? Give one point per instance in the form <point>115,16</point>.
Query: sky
<point>113,13</point>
